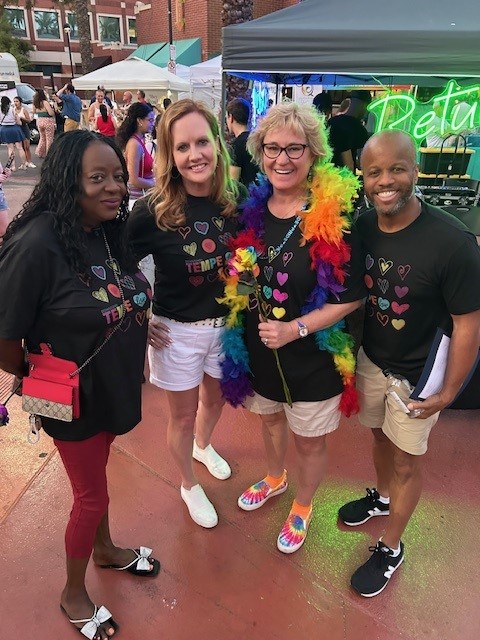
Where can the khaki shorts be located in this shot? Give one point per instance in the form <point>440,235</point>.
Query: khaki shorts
<point>378,410</point>
<point>70,125</point>
<point>307,419</point>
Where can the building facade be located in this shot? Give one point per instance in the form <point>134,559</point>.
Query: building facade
<point>193,19</point>
<point>112,30</point>
<point>116,28</point>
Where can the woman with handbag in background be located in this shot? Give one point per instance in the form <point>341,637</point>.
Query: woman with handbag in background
<point>25,117</point>
<point>63,264</point>
<point>11,132</point>
<point>185,223</point>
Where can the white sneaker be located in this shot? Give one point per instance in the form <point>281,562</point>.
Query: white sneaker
<point>218,467</point>
<point>199,506</point>
<point>31,165</point>
<point>23,166</point>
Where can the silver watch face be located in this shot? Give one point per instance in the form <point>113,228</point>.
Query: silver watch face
<point>302,330</point>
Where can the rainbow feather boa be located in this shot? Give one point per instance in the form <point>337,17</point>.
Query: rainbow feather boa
<point>323,226</point>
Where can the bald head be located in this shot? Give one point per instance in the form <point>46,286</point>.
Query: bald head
<point>398,141</point>
<point>389,167</point>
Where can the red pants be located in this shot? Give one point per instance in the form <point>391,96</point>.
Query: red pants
<point>85,462</point>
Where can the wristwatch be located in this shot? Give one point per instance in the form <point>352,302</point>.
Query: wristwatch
<point>302,329</point>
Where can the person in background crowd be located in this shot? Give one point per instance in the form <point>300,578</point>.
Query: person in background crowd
<point>166,103</point>
<point>123,108</point>
<point>45,122</point>
<point>343,107</point>
<point>424,265</point>
<point>25,118</point>
<point>73,222</point>
<point>184,223</point>
<point>110,101</point>
<point>105,123</point>
<point>4,209</point>
<point>106,98</point>
<point>72,106</point>
<point>243,167</point>
<point>127,100</point>
<point>323,104</point>
<point>152,143</point>
<point>347,134</point>
<point>301,239</point>
<point>141,98</point>
<point>11,132</point>
<point>131,139</point>
<point>94,109</point>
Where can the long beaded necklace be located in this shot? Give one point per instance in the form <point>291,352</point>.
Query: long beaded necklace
<point>273,252</point>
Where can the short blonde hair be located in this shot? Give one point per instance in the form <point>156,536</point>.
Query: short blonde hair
<point>168,196</point>
<point>302,119</point>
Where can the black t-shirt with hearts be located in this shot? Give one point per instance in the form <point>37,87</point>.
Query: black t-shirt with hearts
<point>187,260</point>
<point>45,301</point>
<point>286,280</point>
<point>416,278</point>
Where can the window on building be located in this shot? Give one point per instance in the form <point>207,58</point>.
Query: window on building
<point>109,29</point>
<point>16,18</point>
<point>72,21</point>
<point>46,25</point>
<point>132,31</point>
<point>48,69</point>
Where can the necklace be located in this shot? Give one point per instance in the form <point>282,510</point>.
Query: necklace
<point>273,252</point>
<point>323,230</point>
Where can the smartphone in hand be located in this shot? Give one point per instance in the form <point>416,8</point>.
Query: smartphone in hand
<point>10,161</point>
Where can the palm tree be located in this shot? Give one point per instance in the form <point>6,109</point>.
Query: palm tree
<point>235,12</point>
<point>80,7</point>
<point>47,24</point>
<point>84,37</point>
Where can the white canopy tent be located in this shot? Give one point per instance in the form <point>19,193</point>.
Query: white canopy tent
<point>133,74</point>
<point>206,82</point>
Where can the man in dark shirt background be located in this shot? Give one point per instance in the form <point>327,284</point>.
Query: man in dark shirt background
<point>346,132</point>
<point>243,167</point>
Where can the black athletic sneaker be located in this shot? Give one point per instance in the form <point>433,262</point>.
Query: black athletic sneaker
<point>359,511</point>
<point>373,576</point>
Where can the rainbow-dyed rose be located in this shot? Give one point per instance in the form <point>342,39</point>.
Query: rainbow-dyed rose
<point>243,260</point>
<point>243,265</point>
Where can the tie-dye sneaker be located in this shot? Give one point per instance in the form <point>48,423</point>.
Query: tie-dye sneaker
<point>293,533</point>
<point>256,495</point>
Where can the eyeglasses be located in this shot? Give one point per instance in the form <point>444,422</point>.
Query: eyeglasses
<point>293,151</point>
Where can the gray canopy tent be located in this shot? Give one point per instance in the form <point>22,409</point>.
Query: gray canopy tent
<point>353,43</point>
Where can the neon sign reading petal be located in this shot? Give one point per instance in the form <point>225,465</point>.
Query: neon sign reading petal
<point>453,111</point>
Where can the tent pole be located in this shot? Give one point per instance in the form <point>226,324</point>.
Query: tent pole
<point>223,106</point>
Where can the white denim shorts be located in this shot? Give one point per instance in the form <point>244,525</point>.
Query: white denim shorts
<point>195,350</point>
<point>307,419</point>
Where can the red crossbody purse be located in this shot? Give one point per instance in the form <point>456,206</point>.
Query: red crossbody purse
<point>52,387</point>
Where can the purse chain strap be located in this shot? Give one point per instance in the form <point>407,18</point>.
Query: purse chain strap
<point>124,307</point>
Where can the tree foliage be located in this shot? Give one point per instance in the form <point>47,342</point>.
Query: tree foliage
<point>80,8</point>
<point>16,46</point>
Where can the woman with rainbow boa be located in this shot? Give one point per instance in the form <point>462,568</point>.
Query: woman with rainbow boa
<point>294,273</point>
